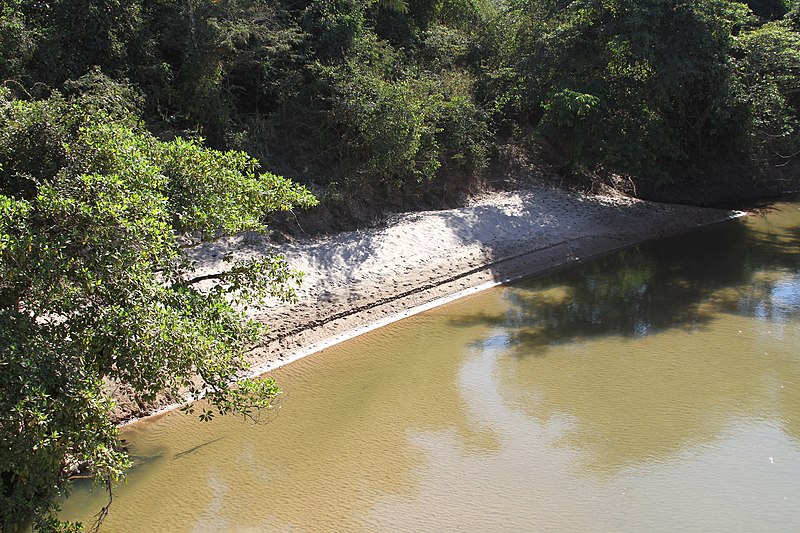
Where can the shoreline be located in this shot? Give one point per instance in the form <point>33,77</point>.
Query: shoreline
<point>361,280</point>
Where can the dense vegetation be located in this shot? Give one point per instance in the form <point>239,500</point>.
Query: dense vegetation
<point>395,100</point>
<point>125,128</point>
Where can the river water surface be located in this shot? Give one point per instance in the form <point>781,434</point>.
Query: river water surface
<point>654,389</point>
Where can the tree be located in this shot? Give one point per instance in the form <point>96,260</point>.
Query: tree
<point>769,9</point>
<point>768,72</point>
<point>96,218</point>
<point>686,99</point>
<point>658,73</point>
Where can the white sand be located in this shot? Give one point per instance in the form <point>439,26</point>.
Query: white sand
<point>357,279</point>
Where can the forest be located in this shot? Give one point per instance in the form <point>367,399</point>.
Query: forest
<point>133,130</point>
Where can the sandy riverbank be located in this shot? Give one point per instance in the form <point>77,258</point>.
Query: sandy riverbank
<point>357,280</point>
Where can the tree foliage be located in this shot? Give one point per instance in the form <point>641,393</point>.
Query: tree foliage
<point>363,88</point>
<point>402,125</point>
<point>95,215</point>
<point>671,86</point>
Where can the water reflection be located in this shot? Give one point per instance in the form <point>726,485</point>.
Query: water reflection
<point>608,397</point>
<point>644,403</point>
<point>682,282</point>
<point>646,365</point>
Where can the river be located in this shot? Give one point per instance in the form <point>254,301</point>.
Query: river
<point>653,389</point>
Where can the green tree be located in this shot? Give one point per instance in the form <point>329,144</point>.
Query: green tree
<point>96,219</point>
<point>769,9</point>
<point>680,97</point>
<point>229,62</point>
<point>17,40</point>
<point>399,124</point>
<point>63,39</point>
<point>659,73</point>
<point>768,77</point>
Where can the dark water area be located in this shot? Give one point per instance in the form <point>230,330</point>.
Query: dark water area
<point>653,389</point>
<point>670,283</point>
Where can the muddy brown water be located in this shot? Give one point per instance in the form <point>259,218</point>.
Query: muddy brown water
<point>654,389</point>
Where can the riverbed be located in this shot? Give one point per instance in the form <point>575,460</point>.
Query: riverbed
<point>653,389</point>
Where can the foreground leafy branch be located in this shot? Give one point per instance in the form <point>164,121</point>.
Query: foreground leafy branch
<point>95,285</point>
